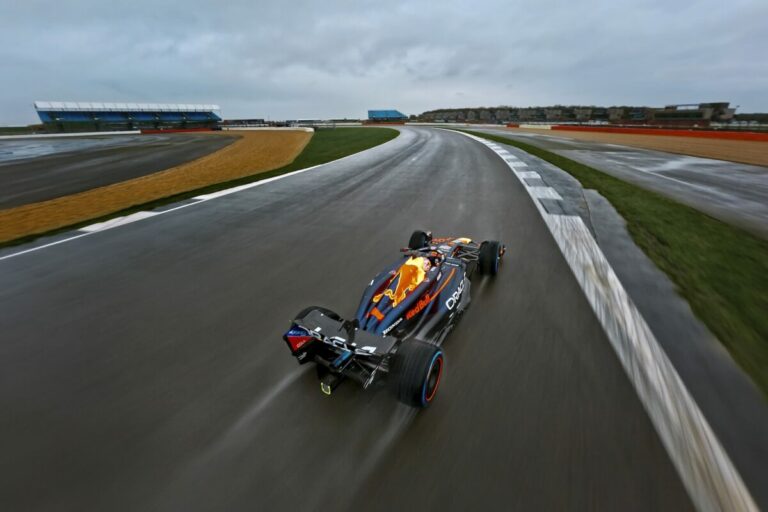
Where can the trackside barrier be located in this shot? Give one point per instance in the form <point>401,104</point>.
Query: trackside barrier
<point>749,136</point>
<point>153,131</point>
<point>536,126</point>
<point>454,125</point>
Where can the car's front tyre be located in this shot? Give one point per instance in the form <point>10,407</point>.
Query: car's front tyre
<point>419,240</point>
<point>491,253</point>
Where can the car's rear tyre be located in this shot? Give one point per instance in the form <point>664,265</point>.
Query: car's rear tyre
<point>419,239</point>
<point>327,312</point>
<point>491,252</point>
<point>415,372</point>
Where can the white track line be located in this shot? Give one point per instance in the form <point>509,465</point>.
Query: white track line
<point>543,192</point>
<point>656,174</point>
<point>122,221</point>
<point>119,221</point>
<point>707,472</point>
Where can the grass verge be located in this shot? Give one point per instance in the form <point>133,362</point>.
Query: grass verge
<point>18,130</point>
<point>719,269</point>
<point>324,146</point>
<point>333,143</point>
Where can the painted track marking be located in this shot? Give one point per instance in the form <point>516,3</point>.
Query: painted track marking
<point>707,472</point>
<point>529,175</point>
<point>100,227</point>
<point>543,192</point>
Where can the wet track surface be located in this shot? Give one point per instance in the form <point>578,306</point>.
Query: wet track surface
<point>732,192</point>
<point>33,147</point>
<point>33,170</point>
<point>143,367</point>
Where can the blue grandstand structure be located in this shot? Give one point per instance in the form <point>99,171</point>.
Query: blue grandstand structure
<point>384,116</point>
<point>68,116</point>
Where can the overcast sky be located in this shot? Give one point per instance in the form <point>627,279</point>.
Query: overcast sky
<point>338,58</point>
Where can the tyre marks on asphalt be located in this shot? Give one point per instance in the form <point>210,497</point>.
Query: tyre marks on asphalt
<point>242,432</point>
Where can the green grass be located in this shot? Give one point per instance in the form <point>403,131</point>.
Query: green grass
<point>721,270</point>
<point>326,144</point>
<point>19,130</point>
<point>333,143</point>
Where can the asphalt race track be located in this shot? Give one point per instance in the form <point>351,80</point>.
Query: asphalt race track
<point>58,167</point>
<point>732,192</point>
<point>144,367</point>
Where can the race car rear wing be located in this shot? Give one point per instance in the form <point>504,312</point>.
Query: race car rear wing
<point>343,335</point>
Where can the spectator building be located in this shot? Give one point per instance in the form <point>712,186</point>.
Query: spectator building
<point>386,116</point>
<point>68,116</point>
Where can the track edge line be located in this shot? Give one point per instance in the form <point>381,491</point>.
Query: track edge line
<point>710,477</point>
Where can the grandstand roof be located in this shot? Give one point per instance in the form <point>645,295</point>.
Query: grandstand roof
<point>75,106</point>
<point>386,114</point>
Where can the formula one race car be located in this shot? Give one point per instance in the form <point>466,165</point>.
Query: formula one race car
<point>404,315</point>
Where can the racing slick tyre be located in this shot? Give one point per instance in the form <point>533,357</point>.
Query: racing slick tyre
<point>415,372</point>
<point>490,257</point>
<point>419,239</point>
<point>327,312</point>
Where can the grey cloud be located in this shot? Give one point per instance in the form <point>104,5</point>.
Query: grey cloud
<point>340,57</point>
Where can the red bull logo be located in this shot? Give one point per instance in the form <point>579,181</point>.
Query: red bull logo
<point>410,275</point>
<point>421,304</point>
<point>427,298</point>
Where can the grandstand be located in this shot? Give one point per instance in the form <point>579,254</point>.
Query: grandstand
<point>67,116</point>
<point>386,116</point>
